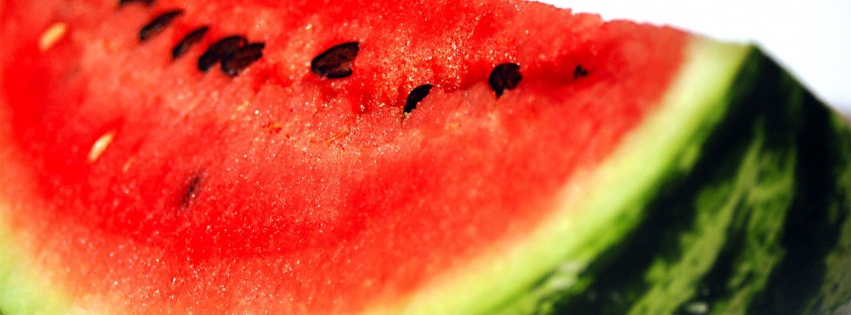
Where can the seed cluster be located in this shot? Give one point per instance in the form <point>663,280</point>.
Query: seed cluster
<point>234,52</point>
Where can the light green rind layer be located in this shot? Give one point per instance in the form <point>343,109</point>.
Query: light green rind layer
<point>31,294</point>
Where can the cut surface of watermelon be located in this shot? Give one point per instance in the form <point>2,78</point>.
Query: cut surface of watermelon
<point>419,157</point>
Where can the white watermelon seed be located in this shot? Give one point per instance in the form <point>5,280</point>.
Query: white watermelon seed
<point>127,164</point>
<point>52,35</point>
<point>100,146</point>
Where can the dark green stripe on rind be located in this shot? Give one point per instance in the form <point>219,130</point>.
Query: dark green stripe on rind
<point>759,225</point>
<point>816,236</point>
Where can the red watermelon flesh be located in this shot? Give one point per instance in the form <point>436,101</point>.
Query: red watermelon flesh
<point>143,183</point>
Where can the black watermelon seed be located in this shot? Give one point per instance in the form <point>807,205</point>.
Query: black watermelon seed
<point>191,39</point>
<point>579,72</point>
<point>242,58</point>
<point>191,191</point>
<point>220,50</point>
<point>336,62</point>
<point>505,76</point>
<point>416,96</point>
<point>145,2</point>
<point>157,25</point>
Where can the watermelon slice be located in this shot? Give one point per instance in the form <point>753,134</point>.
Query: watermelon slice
<point>418,157</point>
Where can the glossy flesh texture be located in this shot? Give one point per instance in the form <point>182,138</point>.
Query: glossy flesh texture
<point>150,185</point>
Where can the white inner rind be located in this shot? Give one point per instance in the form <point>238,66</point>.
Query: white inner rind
<point>596,208</point>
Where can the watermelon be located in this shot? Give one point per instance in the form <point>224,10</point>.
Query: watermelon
<point>417,157</point>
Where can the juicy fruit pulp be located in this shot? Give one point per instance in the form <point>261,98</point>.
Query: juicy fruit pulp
<point>218,183</point>
<point>252,155</point>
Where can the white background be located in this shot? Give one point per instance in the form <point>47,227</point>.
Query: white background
<point>811,38</point>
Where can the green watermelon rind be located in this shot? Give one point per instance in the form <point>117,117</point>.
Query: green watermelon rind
<point>738,233</point>
<point>760,225</point>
